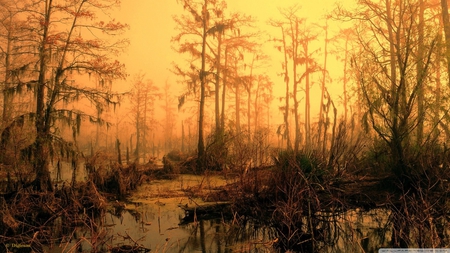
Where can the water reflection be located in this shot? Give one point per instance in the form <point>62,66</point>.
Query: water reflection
<point>157,226</point>
<point>154,221</point>
<point>361,231</point>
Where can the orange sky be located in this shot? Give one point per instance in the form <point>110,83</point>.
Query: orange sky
<point>152,27</point>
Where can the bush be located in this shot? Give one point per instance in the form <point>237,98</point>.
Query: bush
<point>290,164</point>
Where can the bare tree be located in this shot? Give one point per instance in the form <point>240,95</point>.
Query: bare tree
<point>206,41</point>
<point>143,97</point>
<point>346,35</point>
<point>11,48</point>
<point>389,88</point>
<point>446,22</point>
<point>420,69</point>
<point>284,129</point>
<point>66,53</point>
<point>323,120</point>
<point>296,39</point>
<point>196,26</point>
<point>170,119</point>
<point>234,41</point>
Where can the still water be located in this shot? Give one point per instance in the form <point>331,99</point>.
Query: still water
<point>152,218</point>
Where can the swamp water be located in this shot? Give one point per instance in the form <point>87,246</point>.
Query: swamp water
<point>153,218</point>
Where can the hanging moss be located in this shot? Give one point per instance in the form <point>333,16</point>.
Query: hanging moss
<point>78,123</point>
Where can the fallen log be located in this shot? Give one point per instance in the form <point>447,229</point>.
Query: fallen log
<point>206,212</point>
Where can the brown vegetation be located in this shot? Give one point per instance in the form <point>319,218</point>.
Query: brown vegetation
<point>37,218</point>
<point>301,198</point>
<point>45,219</point>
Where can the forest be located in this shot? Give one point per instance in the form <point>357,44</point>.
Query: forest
<point>305,121</point>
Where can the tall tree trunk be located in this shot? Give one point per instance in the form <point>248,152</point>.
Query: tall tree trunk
<point>437,108</point>
<point>393,71</point>
<point>295,43</point>
<point>437,105</point>
<point>324,75</point>
<point>128,155</point>
<point>420,80</point>
<point>256,106</point>
<point>183,148</point>
<point>396,142</point>
<point>42,145</point>
<point>7,97</point>
<point>224,85</point>
<point>255,124</point>
<point>138,129</point>
<point>307,102</point>
<point>144,126</point>
<point>345,80</point>
<point>201,144</point>
<point>249,111</point>
<point>119,155</point>
<point>446,21</point>
<point>249,101</point>
<point>286,80</point>
<point>217,84</point>
<point>238,109</point>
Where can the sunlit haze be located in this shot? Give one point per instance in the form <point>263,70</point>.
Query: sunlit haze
<point>152,27</point>
<point>224,125</point>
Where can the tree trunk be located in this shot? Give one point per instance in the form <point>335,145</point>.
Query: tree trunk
<point>138,130</point>
<point>249,101</point>
<point>436,108</point>
<point>128,155</point>
<point>249,111</point>
<point>295,44</point>
<point>324,74</point>
<point>395,142</point>
<point>7,97</point>
<point>420,80</point>
<point>41,145</point>
<point>224,85</point>
<point>119,155</point>
<point>217,84</point>
<point>144,125</point>
<point>286,80</point>
<point>393,71</point>
<point>259,147</point>
<point>183,149</point>
<point>238,109</point>
<point>446,21</point>
<point>345,79</point>
<point>307,102</point>
<point>201,144</point>
<point>256,107</point>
